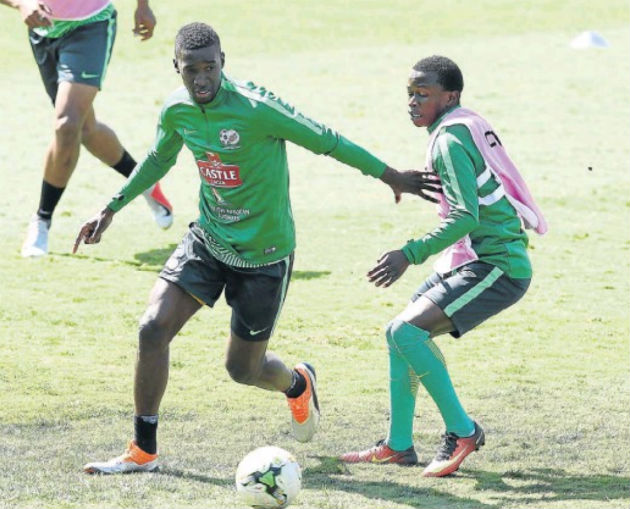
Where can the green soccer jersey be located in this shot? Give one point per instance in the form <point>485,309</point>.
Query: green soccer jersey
<point>238,142</point>
<point>495,230</point>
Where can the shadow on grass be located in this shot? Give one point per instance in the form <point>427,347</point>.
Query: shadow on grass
<point>309,274</point>
<point>150,261</point>
<point>327,476</point>
<point>192,476</point>
<point>155,258</point>
<point>527,487</point>
<point>552,484</point>
<point>323,477</point>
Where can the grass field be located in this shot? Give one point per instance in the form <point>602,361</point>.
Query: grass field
<point>548,379</point>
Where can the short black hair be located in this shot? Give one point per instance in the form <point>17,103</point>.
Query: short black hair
<point>194,36</point>
<point>449,75</point>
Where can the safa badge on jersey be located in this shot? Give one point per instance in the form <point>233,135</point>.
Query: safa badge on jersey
<point>229,139</point>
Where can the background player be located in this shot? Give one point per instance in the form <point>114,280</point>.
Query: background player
<point>244,239</point>
<point>484,267</point>
<point>72,42</point>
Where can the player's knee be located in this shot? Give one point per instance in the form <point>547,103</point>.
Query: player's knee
<point>241,372</point>
<point>401,334</point>
<point>68,128</point>
<point>153,335</point>
<point>392,332</point>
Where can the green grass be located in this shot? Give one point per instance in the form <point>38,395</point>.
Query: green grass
<point>548,378</point>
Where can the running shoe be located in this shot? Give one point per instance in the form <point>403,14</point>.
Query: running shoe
<point>305,408</point>
<point>381,453</point>
<point>133,460</point>
<point>159,205</point>
<point>36,242</point>
<point>452,452</point>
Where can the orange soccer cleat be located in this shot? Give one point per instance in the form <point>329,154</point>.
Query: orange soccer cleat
<point>453,451</point>
<point>381,453</point>
<point>305,408</point>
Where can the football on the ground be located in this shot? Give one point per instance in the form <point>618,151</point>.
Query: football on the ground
<point>268,477</point>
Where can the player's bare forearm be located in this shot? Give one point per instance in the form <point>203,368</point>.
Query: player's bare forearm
<point>144,20</point>
<point>92,230</point>
<point>414,182</point>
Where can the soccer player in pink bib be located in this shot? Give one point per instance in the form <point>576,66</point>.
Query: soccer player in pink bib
<point>72,42</point>
<point>484,267</point>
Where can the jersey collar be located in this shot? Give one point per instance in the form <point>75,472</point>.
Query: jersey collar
<point>437,122</point>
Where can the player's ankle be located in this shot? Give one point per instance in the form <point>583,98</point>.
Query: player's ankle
<point>298,385</point>
<point>145,432</point>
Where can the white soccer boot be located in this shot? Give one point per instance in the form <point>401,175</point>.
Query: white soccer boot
<point>36,242</point>
<point>159,205</point>
<point>133,460</point>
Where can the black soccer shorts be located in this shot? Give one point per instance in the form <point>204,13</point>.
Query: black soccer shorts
<point>256,295</point>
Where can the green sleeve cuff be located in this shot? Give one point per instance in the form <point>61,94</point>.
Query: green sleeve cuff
<point>379,172</point>
<point>415,251</point>
<point>116,203</point>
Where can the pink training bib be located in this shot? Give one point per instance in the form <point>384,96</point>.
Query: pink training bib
<point>75,10</point>
<point>499,164</point>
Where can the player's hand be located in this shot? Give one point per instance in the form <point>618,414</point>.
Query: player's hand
<point>388,269</point>
<point>144,21</point>
<point>35,13</point>
<point>421,183</point>
<point>92,230</point>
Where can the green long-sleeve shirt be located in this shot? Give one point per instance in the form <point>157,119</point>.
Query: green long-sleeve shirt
<point>495,230</point>
<point>238,141</point>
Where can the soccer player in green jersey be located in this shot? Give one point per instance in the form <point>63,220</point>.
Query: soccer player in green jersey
<point>484,267</point>
<point>72,43</point>
<point>244,239</point>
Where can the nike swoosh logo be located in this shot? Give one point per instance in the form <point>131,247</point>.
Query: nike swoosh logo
<point>456,458</point>
<point>191,131</point>
<point>382,460</point>
<point>254,332</point>
<point>87,76</point>
<point>443,465</point>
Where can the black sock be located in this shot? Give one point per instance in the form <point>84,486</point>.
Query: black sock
<point>145,432</point>
<point>298,385</point>
<point>126,164</point>
<point>48,199</point>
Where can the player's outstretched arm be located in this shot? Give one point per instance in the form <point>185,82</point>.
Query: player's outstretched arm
<point>414,182</point>
<point>144,21</point>
<point>92,229</point>
<point>35,13</point>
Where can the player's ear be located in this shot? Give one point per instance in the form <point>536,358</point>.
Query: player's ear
<point>222,59</point>
<point>453,97</point>
<point>176,66</point>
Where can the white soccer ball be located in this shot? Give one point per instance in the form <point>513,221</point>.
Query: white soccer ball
<point>268,477</point>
